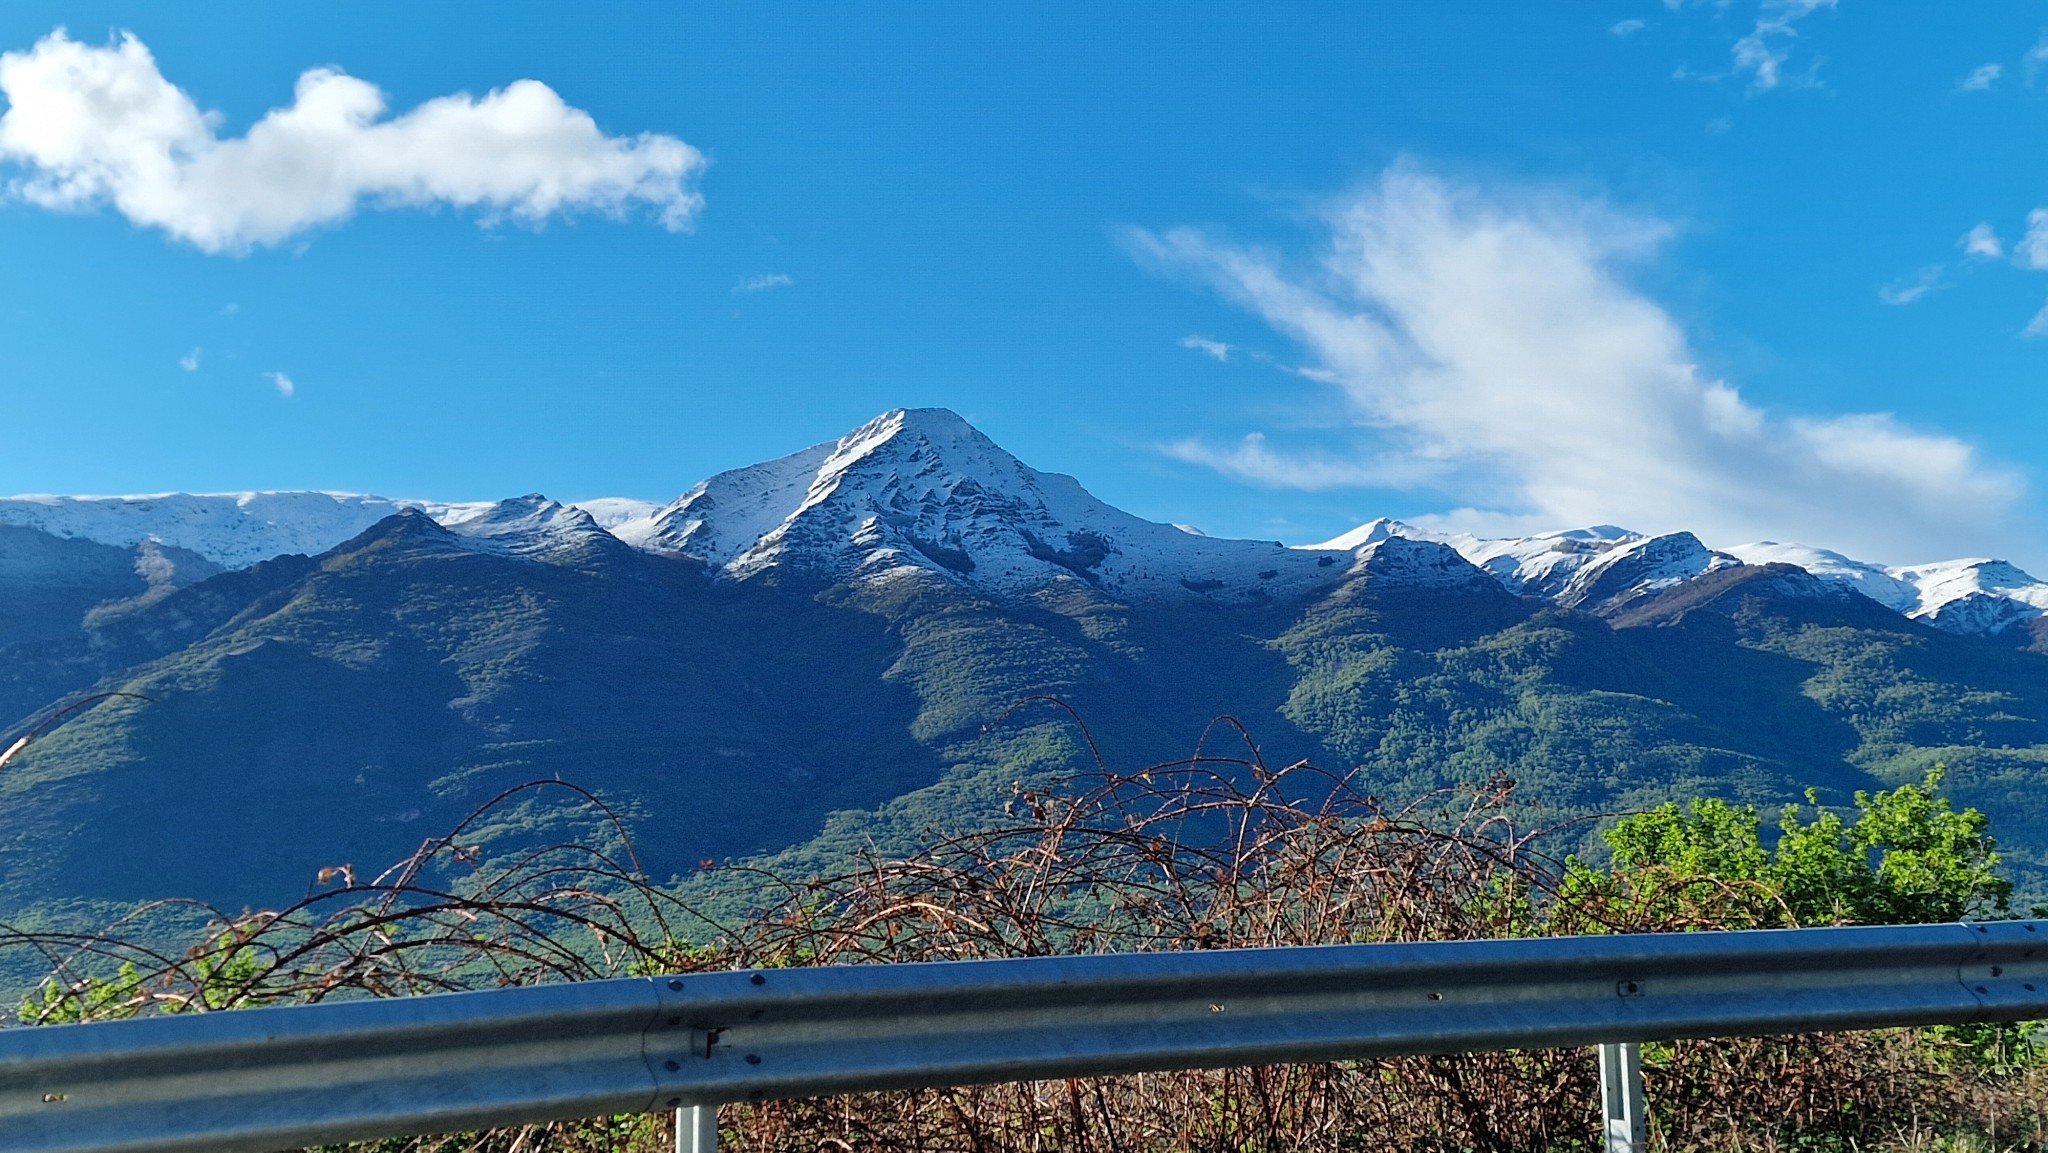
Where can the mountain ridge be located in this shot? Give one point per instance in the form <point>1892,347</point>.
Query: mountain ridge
<point>922,490</point>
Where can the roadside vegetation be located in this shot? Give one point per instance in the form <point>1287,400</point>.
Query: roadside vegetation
<point>1217,851</point>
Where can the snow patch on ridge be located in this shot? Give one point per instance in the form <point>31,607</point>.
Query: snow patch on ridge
<point>233,530</point>
<point>610,512</point>
<point>531,526</point>
<point>1873,581</point>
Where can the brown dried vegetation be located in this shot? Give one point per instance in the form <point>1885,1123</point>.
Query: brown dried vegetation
<point>1212,852</point>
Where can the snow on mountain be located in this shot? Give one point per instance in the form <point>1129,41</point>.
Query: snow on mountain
<point>1409,562</point>
<point>233,530</point>
<point>923,490</point>
<point>531,526</point>
<point>730,513</point>
<point>1548,564</point>
<point>1631,569</point>
<point>1974,596</point>
<point>612,511</point>
<point>1372,532</point>
<point>1604,567</point>
<point>1597,567</point>
<point>1873,581</point>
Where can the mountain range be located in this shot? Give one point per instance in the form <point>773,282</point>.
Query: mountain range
<point>923,489</point>
<point>798,660</point>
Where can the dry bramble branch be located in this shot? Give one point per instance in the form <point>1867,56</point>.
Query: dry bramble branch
<point>1209,852</point>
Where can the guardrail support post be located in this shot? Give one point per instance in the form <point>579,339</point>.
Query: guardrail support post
<point>697,1129</point>
<point>1621,1098</point>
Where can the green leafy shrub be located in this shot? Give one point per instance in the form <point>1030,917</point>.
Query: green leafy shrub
<point>1908,857</point>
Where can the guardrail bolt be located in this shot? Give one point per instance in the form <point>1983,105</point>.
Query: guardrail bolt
<point>1628,988</point>
<point>675,986</point>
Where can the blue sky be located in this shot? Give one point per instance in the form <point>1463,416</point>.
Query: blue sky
<point>1271,270</point>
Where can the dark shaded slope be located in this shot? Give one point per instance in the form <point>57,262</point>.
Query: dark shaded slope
<point>56,597</point>
<point>338,709</point>
<point>407,677</point>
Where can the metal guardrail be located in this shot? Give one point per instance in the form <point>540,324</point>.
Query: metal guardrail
<point>265,1079</point>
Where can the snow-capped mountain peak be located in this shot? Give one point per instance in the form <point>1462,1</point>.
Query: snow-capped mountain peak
<point>1372,532</point>
<point>1410,562</point>
<point>530,526</point>
<point>1629,569</point>
<point>1544,565</point>
<point>921,490</point>
<point>1978,595</point>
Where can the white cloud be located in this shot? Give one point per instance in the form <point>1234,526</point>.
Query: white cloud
<point>1763,53</point>
<point>762,282</point>
<point>2037,327</point>
<point>190,361</point>
<point>282,383</point>
<point>1912,288</point>
<point>1982,243</point>
<point>2035,58</point>
<point>1980,78</point>
<point>1626,28</point>
<point>94,125</point>
<point>1491,342</point>
<point>1213,349</point>
<point>1253,460</point>
<point>2031,250</point>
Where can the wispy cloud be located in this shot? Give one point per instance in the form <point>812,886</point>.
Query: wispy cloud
<point>190,361</point>
<point>762,282</point>
<point>91,126</point>
<point>1912,288</point>
<point>2031,249</point>
<point>282,383</point>
<point>1979,244</point>
<point>1253,460</point>
<point>1982,243</point>
<point>1626,28</point>
<point>2035,57</point>
<point>1490,341</point>
<point>1213,349</point>
<point>1763,53</point>
<point>1980,78</point>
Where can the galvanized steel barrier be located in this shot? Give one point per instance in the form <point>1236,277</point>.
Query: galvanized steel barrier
<point>265,1079</point>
